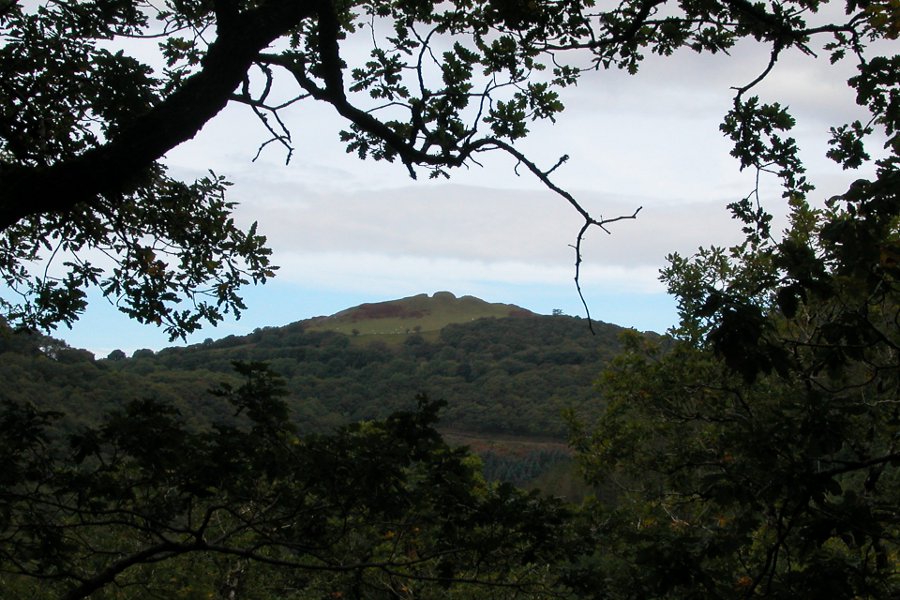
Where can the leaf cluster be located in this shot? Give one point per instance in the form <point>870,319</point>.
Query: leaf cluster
<point>759,456</point>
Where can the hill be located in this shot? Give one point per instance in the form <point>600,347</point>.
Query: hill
<point>507,375</point>
<point>498,375</point>
<point>420,314</point>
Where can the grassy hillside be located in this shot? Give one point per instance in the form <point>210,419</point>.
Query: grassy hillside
<point>416,314</point>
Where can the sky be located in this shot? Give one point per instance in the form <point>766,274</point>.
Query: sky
<point>345,231</point>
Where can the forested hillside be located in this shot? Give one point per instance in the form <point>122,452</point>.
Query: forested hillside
<point>507,381</point>
<point>499,376</point>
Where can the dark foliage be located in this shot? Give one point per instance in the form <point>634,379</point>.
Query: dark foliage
<point>513,376</point>
<point>373,506</point>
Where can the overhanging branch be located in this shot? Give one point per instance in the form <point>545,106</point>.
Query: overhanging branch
<point>114,167</point>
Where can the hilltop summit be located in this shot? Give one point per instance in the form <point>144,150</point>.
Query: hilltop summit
<point>415,313</point>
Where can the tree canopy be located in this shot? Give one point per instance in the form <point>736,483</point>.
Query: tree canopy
<point>758,456</point>
<point>143,504</point>
<point>85,119</point>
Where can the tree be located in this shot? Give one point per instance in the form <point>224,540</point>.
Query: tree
<point>374,508</point>
<point>116,355</point>
<point>84,122</point>
<point>759,456</point>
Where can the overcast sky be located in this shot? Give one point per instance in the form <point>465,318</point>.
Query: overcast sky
<point>345,231</point>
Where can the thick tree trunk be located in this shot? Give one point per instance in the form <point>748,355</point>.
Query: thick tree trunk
<point>119,164</point>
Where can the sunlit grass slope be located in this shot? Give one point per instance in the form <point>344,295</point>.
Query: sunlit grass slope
<point>416,314</point>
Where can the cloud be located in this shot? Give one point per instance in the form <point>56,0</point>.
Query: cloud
<point>362,228</point>
<point>381,274</point>
<point>467,223</point>
<point>650,135</point>
<point>347,231</point>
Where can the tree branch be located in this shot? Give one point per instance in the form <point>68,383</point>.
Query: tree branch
<point>108,575</point>
<point>589,221</point>
<point>115,167</point>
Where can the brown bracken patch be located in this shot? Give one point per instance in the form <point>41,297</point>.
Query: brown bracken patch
<point>385,311</point>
